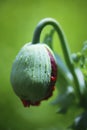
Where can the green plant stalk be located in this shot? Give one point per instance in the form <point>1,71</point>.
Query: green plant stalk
<point>64,45</point>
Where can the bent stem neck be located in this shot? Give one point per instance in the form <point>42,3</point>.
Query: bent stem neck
<point>50,21</point>
<point>64,45</point>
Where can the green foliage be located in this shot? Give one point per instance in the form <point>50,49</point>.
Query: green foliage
<point>66,91</point>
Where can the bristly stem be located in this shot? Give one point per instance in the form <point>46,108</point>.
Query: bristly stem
<point>64,45</point>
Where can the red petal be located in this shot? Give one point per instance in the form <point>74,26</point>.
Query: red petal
<point>25,103</point>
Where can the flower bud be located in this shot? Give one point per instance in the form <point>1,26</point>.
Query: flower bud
<point>34,73</point>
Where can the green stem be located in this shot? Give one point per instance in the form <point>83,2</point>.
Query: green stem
<point>64,45</point>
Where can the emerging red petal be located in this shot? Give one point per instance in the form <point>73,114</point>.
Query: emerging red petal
<point>37,103</point>
<point>53,75</point>
<point>25,103</point>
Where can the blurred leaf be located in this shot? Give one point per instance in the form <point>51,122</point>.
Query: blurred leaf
<point>48,39</point>
<point>65,84</point>
<point>80,77</point>
<point>80,122</point>
<point>65,78</point>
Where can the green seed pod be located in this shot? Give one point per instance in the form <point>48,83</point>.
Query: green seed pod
<point>34,73</point>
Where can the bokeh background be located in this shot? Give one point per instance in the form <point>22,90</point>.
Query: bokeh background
<point>18,19</point>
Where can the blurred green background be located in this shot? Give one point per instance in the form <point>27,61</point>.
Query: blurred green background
<point>18,19</point>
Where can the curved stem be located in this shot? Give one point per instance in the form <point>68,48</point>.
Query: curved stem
<point>50,21</point>
<point>64,45</point>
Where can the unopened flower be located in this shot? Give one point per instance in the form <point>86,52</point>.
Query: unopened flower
<point>34,73</point>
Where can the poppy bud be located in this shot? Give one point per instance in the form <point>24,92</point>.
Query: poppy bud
<point>34,73</point>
